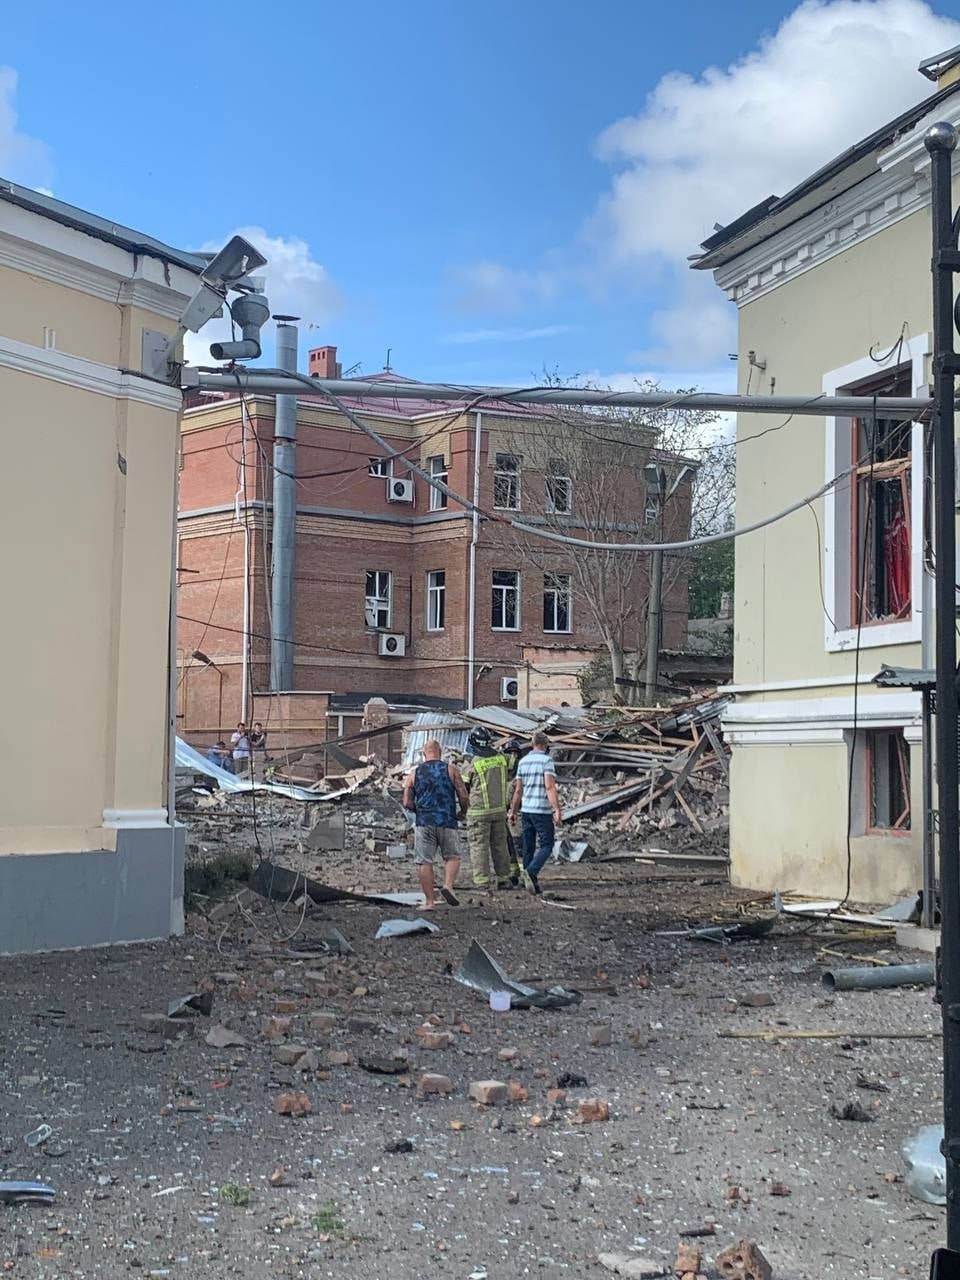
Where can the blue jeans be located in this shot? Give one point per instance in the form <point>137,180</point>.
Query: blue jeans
<point>538,836</point>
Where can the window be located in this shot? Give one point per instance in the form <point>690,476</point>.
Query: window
<point>438,471</point>
<point>505,610</point>
<point>880,516</point>
<point>888,780</point>
<point>556,602</point>
<point>651,507</point>
<point>382,467</point>
<point>559,487</point>
<point>436,599</point>
<point>378,606</point>
<point>506,482</point>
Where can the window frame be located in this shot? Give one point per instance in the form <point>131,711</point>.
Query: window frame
<point>902,826</point>
<point>554,591</point>
<point>840,632</point>
<point>379,468</point>
<point>557,473</point>
<point>436,594</point>
<point>504,589</point>
<point>438,499</point>
<point>382,602</point>
<point>512,475</point>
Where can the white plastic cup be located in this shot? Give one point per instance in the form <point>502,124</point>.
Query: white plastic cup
<point>500,1001</point>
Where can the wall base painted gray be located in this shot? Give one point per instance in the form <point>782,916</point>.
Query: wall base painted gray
<point>61,901</point>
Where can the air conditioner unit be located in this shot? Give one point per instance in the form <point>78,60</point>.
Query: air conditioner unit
<point>399,490</point>
<point>509,689</point>
<point>392,645</point>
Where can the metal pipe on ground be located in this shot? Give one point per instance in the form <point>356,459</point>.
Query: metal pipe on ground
<point>869,978</point>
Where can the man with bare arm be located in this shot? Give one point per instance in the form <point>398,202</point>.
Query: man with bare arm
<point>434,791</point>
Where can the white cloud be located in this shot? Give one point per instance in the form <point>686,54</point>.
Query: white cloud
<point>705,149</point>
<point>491,286</point>
<point>22,159</point>
<point>296,284</point>
<point>470,336</point>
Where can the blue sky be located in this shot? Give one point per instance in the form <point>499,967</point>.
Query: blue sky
<point>488,190</point>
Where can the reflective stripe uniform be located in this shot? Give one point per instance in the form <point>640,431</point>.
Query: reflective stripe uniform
<point>486,781</point>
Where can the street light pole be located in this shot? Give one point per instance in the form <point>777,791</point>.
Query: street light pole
<point>941,141</point>
<point>656,486</point>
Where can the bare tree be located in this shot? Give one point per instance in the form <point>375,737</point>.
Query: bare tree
<point>594,487</point>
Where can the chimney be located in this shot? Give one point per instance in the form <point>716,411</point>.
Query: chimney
<point>324,363</point>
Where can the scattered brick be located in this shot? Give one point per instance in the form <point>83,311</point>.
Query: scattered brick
<point>337,1058</point>
<point>508,1055</point>
<point>431,1083</point>
<point>780,1189</point>
<point>743,1261</point>
<point>285,1006</point>
<point>516,1092</point>
<point>323,1021</point>
<point>688,1259</point>
<point>556,1097</point>
<point>591,1110</point>
<point>489,1093</point>
<point>757,1000</point>
<point>431,1039</point>
<point>292,1104</point>
<point>275,1028</point>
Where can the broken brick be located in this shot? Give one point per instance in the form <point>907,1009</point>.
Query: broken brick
<point>757,1000</point>
<point>489,1093</point>
<point>591,1110</point>
<point>516,1092</point>
<point>292,1104</point>
<point>434,1039</point>
<point>556,1097</point>
<point>431,1083</point>
<point>285,1006</point>
<point>275,1028</point>
<point>322,1021</point>
<point>743,1261</point>
<point>337,1058</point>
<point>508,1055</point>
<point>688,1259</point>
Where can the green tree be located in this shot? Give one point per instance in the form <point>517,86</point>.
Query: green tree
<point>711,575</point>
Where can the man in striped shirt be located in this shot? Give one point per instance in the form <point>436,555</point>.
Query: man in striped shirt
<point>536,799</point>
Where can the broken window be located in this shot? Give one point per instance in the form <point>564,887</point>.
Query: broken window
<point>437,467</point>
<point>378,605</point>
<point>559,487</point>
<point>880,513</point>
<point>888,780</point>
<point>556,602</point>
<point>506,482</point>
<point>436,599</point>
<point>505,605</point>
<point>381,467</point>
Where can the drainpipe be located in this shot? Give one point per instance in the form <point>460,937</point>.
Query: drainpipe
<point>472,588</point>
<point>284,516</point>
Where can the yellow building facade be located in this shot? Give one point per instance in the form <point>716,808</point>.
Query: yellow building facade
<point>89,849</point>
<point>833,289</point>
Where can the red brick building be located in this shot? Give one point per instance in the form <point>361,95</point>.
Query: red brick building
<point>382,600</point>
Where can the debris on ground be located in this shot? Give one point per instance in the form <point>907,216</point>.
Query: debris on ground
<point>481,972</point>
<point>851,1111</point>
<point>26,1193</point>
<point>743,1261</point>
<point>631,1266</point>
<point>400,928</point>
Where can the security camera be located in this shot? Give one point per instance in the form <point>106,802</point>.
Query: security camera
<point>250,313</point>
<point>235,260</point>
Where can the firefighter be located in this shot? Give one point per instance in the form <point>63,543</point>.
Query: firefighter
<point>486,778</point>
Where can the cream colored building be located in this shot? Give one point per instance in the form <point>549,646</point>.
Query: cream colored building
<point>89,851</point>
<point>833,289</point>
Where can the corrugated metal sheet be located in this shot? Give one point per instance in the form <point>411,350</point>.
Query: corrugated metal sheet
<point>905,678</point>
<point>449,730</point>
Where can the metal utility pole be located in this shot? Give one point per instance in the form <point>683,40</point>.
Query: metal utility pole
<point>941,141</point>
<point>283,555</point>
<point>656,479</point>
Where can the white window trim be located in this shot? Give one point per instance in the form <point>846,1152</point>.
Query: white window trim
<point>568,629</point>
<point>388,598</point>
<point>441,591</point>
<point>516,476</point>
<point>438,499</point>
<point>519,590</point>
<point>836,543</point>
<point>380,475</point>
<point>819,721</point>
<point>549,504</point>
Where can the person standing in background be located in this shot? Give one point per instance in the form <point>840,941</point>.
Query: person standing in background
<point>485,778</point>
<point>240,742</point>
<point>433,791</point>
<point>536,799</point>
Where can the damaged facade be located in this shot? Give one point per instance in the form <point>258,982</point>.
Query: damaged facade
<point>832,286</point>
<point>399,593</point>
<point>89,853</point>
